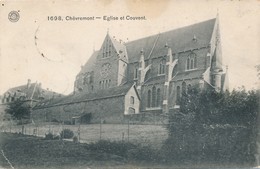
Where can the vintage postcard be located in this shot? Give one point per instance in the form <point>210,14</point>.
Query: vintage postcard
<point>129,84</point>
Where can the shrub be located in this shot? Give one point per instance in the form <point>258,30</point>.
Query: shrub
<point>66,133</point>
<point>126,150</point>
<point>119,148</point>
<point>75,139</point>
<point>55,120</point>
<point>211,126</point>
<point>67,122</point>
<point>50,136</point>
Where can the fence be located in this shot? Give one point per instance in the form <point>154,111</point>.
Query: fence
<point>140,134</point>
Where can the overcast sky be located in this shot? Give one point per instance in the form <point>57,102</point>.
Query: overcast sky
<point>67,45</point>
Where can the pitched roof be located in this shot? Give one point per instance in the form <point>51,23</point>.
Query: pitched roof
<point>90,64</point>
<point>189,74</point>
<point>33,91</point>
<point>180,39</point>
<point>156,79</point>
<point>85,96</point>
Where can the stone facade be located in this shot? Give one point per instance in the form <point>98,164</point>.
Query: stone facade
<point>108,105</point>
<point>159,67</point>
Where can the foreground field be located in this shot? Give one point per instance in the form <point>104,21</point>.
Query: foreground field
<point>30,152</point>
<point>153,135</point>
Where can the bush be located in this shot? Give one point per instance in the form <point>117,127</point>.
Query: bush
<point>55,120</point>
<point>126,150</point>
<point>50,136</point>
<point>211,126</point>
<point>66,133</point>
<point>67,122</point>
<point>75,139</point>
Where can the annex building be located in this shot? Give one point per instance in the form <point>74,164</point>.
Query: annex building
<point>143,76</point>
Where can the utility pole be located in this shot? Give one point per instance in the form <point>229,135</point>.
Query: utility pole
<point>79,130</point>
<point>100,127</point>
<point>128,128</point>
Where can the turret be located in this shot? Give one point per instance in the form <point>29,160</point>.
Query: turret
<point>141,68</point>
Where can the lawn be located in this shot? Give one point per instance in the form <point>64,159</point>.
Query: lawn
<point>153,135</point>
<point>25,152</point>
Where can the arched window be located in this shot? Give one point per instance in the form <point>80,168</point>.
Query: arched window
<point>149,98</point>
<point>183,86</point>
<point>188,63</point>
<point>178,95</point>
<point>192,64</point>
<point>153,96</point>
<point>191,61</point>
<point>109,82</point>
<point>158,97</point>
<point>106,84</point>
<point>136,73</point>
<point>195,61</point>
<point>189,88</point>
<point>162,66</point>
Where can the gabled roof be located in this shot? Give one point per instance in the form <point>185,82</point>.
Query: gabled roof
<point>154,80</point>
<point>178,40</point>
<point>33,91</point>
<point>90,64</point>
<point>85,96</point>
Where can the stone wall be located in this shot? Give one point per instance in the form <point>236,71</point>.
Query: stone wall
<point>109,110</point>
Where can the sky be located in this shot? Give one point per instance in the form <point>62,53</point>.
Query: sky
<point>67,45</point>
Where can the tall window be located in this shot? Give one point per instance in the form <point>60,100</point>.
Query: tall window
<point>178,95</point>
<point>136,73</point>
<point>162,66</point>
<point>188,63</point>
<point>149,98</point>
<point>158,97</point>
<point>153,96</point>
<point>132,100</point>
<point>183,86</point>
<point>191,62</point>
<point>189,88</point>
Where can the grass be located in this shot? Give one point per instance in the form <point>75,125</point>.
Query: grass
<point>34,152</point>
<point>29,152</point>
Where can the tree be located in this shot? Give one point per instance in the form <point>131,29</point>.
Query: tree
<point>214,125</point>
<point>18,110</point>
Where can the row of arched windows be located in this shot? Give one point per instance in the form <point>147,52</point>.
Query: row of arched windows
<point>107,49</point>
<point>104,84</point>
<point>154,97</point>
<point>180,90</point>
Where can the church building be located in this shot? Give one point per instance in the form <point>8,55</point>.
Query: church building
<point>150,74</point>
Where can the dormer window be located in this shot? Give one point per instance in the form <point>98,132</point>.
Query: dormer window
<point>191,62</point>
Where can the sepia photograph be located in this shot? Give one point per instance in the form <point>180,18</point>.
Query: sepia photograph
<point>129,84</point>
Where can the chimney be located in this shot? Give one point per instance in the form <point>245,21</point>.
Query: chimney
<point>28,83</point>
